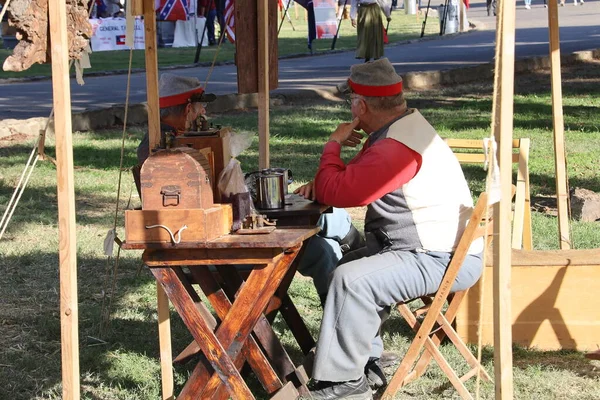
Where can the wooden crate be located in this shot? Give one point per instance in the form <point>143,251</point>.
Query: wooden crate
<point>202,224</point>
<point>555,303</point>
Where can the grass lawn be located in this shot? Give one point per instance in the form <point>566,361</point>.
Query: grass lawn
<point>402,27</point>
<point>122,361</point>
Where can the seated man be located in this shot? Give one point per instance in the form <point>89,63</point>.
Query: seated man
<point>418,204</point>
<point>182,101</point>
<point>325,250</point>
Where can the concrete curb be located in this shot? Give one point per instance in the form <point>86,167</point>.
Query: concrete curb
<point>431,79</point>
<point>137,115</point>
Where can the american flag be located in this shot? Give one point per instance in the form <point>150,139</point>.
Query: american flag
<point>172,10</point>
<point>230,20</point>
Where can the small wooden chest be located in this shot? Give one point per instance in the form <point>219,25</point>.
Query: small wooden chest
<point>176,179</point>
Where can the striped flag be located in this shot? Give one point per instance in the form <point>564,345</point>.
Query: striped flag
<point>172,10</point>
<point>230,20</point>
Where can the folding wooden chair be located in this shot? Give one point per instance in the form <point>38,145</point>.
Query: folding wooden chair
<point>428,334</point>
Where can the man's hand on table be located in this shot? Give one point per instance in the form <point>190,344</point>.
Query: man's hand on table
<point>346,135</point>
<point>307,191</point>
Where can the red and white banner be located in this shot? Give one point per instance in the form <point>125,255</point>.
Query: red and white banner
<point>109,34</point>
<point>230,20</point>
<point>325,18</point>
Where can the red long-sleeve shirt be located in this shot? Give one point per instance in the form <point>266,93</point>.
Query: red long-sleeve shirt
<point>374,172</point>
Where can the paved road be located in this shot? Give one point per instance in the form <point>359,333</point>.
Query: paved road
<point>580,30</point>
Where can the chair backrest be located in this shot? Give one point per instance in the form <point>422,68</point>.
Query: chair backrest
<point>471,151</point>
<point>480,225</point>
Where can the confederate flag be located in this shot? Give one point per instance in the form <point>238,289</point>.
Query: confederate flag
<point>172,10</point>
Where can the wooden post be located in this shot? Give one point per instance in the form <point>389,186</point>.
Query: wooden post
<point>151,74</point>
<point>164,340</point>
<point>263,84</point>
<point>521,235</point>
<point>69,310</point>
<point>502,128</point>
<point>164,327</point>
<point>562,191</point>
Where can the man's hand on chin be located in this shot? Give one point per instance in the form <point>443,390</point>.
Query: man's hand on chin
<point>346,135</point>
<point>307,191</point>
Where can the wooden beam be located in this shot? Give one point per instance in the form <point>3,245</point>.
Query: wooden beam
<point>164,339</point>
<point>137,7</point>
<point>263,84</point>
<point>151,74</point>
<point>69,310</point>
<point>562,190</point>
<point>502,125</point>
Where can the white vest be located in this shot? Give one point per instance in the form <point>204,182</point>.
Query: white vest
<point>435,205</point>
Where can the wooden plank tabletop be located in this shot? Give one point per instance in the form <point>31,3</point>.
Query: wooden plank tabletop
<point>279,238</point>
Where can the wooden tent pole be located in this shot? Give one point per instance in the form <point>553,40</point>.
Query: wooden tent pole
<point>151,74</point>
<point>562,191</point>
<point>69,310</point>
<point>164,322</point>
<point>502,127</point>
<point>263,84</point>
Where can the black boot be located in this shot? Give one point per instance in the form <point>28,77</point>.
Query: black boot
<point>355,390</point>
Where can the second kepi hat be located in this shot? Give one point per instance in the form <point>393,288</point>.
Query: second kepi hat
<point>373,79</point>
<point>175,90</point>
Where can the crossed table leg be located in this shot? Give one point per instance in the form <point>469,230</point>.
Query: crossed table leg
<point>230,345</point>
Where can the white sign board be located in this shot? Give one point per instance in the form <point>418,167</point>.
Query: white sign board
<point>109,34</point>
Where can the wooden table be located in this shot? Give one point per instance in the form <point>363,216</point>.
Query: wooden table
<point>243,305</point>
<point>297,211</point>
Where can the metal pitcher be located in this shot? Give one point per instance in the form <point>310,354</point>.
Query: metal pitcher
<point>270,190</point>
<point>287,176</point>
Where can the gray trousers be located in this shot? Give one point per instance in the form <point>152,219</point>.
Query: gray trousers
<point>360,293</point>
<point>323,251</point>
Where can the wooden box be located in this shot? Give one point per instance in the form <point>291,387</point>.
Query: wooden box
<point>219,153</point>
<point>202,224</point>
<point>176,178</point>
<point>554,301</point>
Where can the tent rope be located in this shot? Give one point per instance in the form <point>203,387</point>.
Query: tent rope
<point>214,61</point>
<point>106,306</point>
<point>29,167</point>
<point>19,189</point>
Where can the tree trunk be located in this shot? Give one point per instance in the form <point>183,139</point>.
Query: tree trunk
<point>30,18</point>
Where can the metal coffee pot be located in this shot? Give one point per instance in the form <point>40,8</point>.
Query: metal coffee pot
<point>268,187</point>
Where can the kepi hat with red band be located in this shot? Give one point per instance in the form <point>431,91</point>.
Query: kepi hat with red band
<point>175,90</point>
<point>373,79</point>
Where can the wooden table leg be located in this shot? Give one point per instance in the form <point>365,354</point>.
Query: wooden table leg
<point>252,299</point>
<point>283,303</point>
<point>171,281</point>
<point>267,338</point>
<point>164,340</point>
<point>292,318</point>
<point>251,351</point>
